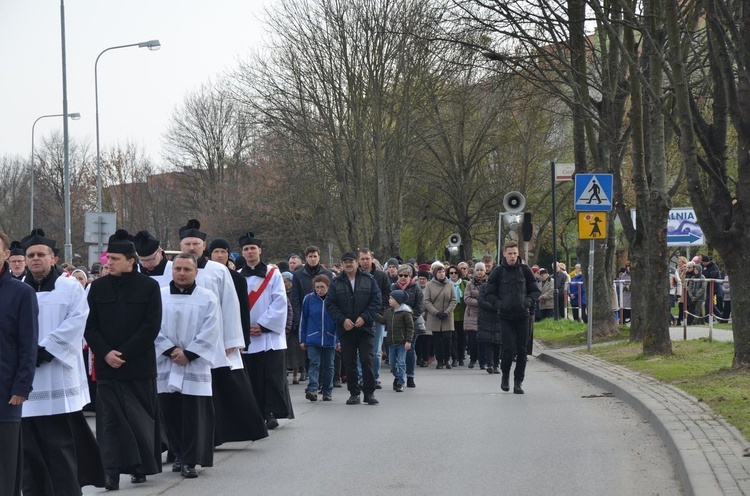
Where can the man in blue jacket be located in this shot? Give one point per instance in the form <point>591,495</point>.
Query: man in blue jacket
<point>352,301</point>
<point>18,347</point>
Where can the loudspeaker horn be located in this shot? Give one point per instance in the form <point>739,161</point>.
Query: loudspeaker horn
<point>514,202</point>
<point>454,240</point>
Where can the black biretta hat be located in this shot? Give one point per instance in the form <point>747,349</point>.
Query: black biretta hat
<point>16,249</point>
<point>120,242</point>
<point>192,230</point>
<point>145,243</point>
<point>249,239</point>
<point>37,237</point>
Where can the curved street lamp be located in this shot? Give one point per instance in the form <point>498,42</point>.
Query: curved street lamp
<point>152,45</point>
<point>75,116</point>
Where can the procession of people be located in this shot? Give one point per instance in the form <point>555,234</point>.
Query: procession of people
<point>179,354</point>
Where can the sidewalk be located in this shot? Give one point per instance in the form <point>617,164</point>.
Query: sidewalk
<point>707,451</point>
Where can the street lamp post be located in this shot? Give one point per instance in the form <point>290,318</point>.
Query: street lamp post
<point>151,45</point>
<point>75,116</point>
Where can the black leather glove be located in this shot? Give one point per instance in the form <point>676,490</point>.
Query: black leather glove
<point>42,356</point>
<point>442,315</point>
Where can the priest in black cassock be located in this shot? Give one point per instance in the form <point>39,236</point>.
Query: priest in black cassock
<point>188,345</point>
<point>265,357</point>
<point>238,416</point>
<point>17,261</point>
<point>123,322</point>
<point>59,449</point>
<point>151,259</point>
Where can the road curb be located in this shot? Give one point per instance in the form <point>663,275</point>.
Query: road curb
<point>705,449</point>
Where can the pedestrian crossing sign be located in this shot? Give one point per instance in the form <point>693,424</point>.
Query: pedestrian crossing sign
<point>593,192</point>
<point>592,225</point>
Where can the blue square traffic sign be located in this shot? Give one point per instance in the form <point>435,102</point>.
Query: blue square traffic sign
<point>593,192</point>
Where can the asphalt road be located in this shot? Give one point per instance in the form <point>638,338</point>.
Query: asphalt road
<point>455,434</point>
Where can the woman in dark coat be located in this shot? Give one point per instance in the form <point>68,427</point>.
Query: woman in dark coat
<point>489,338</point>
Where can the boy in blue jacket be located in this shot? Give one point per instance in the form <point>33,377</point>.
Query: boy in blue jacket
<point>317,335</point>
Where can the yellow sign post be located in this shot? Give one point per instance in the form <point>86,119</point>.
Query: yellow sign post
<point>592,225</point>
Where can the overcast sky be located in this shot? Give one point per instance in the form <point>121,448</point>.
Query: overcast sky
<point>138,89</point>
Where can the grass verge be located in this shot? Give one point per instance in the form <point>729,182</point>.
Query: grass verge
<point>566,333</point>
<point>699,367</point>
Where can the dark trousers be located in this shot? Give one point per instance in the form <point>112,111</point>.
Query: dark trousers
<point>423,347</point>
<point>442,342</point>
<point>353,343</point>
<point>580,312</point>
<point>471,337</point>
<point>337,365</point>
<point>727,310</point>
<point>489,355</point>
<point>458,341</point>
<point>11,459</point>
<point>515,341</point>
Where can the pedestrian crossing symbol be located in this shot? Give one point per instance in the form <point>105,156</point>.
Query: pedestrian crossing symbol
<point>592,225</point>
<point>593,192</point>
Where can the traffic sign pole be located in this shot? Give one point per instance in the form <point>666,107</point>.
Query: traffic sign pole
<point>590,297</point>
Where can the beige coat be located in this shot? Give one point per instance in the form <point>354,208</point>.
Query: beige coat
<point>439,298</point>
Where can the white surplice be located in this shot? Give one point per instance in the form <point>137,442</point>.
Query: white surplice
<point>192,323</point>
<point>216,278</point>
<point>60,386</point>
<point>269,311</point>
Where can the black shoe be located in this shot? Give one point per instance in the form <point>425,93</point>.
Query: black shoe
<point>410,382</point>
<point>112,482</point>
<point>505,382</point>
<point>327,397</point>
<point>453,363</point>
<point>495,370</point>
<point>395,384</point>
<point>471,364</point>
<point>311,396</point>
<point>377,385</point>
<point>353,400</point>
<point>489,370</point>
<point>482,367</point>
<point>189,472</point>
<point>448,365</point>
<point>517,387</point>
<point>271,422</point>
<point>370,399</point>
<point>337,384</point>
<point>423,363</point>
<point>177,467</point>
<point>439,367</point>
<point>137,479</point>
<point>398,389</point>
<point>303,375</point>
<point>460,363</point>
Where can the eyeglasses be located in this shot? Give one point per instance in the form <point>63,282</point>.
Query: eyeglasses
<point>453,272</point>
<point>403,275</point>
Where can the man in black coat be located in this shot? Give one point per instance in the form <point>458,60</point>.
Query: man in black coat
<point>353,300</point>
<point>19,336</point>
<point>367,264</point>
<point>123,322</point>
<point>513,291</point>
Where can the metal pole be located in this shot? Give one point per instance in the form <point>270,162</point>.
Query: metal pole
<point>499,237</point>
<point>68,243</point>
<point>590,297</point>
<point>153,44</point>
<point>554,242</point>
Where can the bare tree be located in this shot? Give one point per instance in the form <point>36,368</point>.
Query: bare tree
<point>14,196</point>
<point>342,83</point>
<point>710,65</point>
